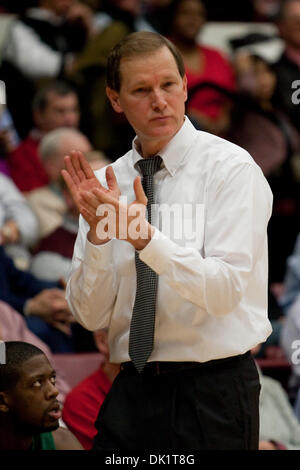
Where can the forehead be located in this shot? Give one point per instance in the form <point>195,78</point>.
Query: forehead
<point>160,62</point>
<point>54,98</point>
<point>187,4</point>
<point>33,367</point>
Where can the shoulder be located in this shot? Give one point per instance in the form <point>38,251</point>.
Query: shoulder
<point>222,151</point>
<point>65,440</point>
<point>221,162</point>
<point>28,145</point>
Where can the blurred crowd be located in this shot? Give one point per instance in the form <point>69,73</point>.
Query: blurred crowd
<point>53,63</point>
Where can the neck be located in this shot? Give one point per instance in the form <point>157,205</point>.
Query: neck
<point>149,149</point>
<point>10,439</point>
<point>185,45</point>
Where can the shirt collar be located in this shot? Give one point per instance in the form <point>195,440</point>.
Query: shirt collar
<point>175,151</point>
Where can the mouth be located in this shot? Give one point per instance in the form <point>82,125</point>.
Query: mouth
<point>160,118</point>
<point>55,411</point>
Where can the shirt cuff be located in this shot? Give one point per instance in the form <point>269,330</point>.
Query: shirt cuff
<point>158,252</point>
<point>98,255</point>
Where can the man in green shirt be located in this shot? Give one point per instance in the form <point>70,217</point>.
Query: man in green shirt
<point>29,409</point>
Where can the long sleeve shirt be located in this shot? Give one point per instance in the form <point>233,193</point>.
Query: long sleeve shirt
<point>13,206</point>
<point>210,254</point>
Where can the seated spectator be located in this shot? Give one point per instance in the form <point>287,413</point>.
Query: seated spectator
<point>52,256</point>
<point>208,108</point>
<point>53,31</point>
<point>265,10</point>
<point>42,303</point>
<point>55,105</point>
<point>50,30</point>
<point>130,13</point>
<point>289,342</point>
<point>106,129</point>
<point>279,428</point>
<point>18,224</point>
<point>278,425</point>
<point>13,327</point>
<point>29,409</point>
<point>47,202</point>
<point>258,125</point>
<point>288,67</point>
<point>292,278</point>
<point>157,13</point>
<point>83,403</point>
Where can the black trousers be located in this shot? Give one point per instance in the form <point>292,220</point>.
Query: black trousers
<point>213,405</point>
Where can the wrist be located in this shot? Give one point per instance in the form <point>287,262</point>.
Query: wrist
<point>94,239</point>
<point>146,235</point>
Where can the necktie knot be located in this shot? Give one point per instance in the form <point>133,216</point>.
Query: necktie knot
<point>149,166</point>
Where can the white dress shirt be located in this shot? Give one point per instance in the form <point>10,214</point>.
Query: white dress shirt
<point>212,291</point>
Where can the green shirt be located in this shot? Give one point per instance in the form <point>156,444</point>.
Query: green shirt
<point>43,441</point>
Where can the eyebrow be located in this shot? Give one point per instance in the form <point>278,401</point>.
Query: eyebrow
<point>41,375</point>
<point>145,82</point>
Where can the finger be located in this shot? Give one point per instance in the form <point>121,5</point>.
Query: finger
<point>87,215</point>
<point>89,199</point>
<point>71,186</point>
<point>111,179</point>
<point>85,166</point>
<point>63,316</point>
<point>105,198</point>
<point>77,159</point>
<point>141,198</point>
<point>60,305</point>
<point>69,165</point>
<point>56,293</point>
<point>63,327</point>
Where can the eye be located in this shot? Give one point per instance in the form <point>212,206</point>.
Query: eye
<point>140,90</point>
<point>37,383</point>
<point>53,380</point>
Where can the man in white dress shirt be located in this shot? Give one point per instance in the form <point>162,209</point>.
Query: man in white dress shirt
<point>207,242</point>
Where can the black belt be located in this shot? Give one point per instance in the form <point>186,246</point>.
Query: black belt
<point>158,368</point>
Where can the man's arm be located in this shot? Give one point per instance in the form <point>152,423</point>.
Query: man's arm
<point>237,211</point>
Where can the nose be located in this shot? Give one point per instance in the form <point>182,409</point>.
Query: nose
<point>71,119</point>
<point>158,100</point>
<point>51,390</point>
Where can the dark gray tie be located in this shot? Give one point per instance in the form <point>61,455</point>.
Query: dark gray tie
<point>143,316</point>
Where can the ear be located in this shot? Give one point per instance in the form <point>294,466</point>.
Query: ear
<point>4,408</point>
<point>184,82</point>
<point>113,97</point>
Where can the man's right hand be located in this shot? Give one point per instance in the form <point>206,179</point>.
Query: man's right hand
<point>80,180</point>
<point>51,306</point>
